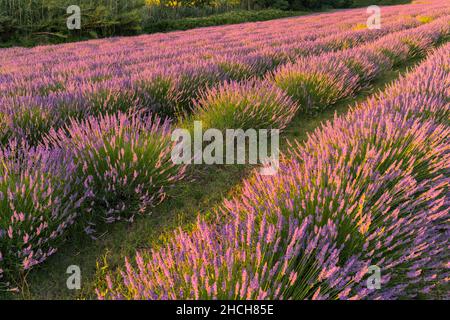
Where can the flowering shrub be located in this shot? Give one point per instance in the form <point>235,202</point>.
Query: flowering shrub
<point>253,104</point>
<point>157,92</point>
<point>126,158</point>
<point>239,69</point>
<point>255,257</point>
<point>193,80</point>
<point>39,200</point>
<point>365,63</point>
<point>111,98</point>
<point>316,82</point>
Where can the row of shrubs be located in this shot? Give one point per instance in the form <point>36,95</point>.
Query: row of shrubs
<point>169,91</point>
<point>313,83</point>
<point>183,85</point>
<point>369,189</point>
<point>108,168</point>
<point>99,170</point>
<point>302,4</point>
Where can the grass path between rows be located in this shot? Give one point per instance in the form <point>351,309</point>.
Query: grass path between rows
<point>205,189</point>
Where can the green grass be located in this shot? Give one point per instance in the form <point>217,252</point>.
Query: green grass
<point>205,189</point>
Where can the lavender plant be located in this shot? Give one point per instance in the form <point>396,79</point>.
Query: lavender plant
<point>316,83</point>
<point>255,257</point>
<point>39,200</point>
<point>253,104</point>
<point>126,158</point>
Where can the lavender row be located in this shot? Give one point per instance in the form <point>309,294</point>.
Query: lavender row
<point>76,63</point>
<point>136,49</point>
<point>367,189</point>
<point>61,66</point>
<point>25,115</point>
<point>318,82</point>
<point>313,83</point>
<point>30,116</point>
<point>79,71</point>
<point>99,170</point>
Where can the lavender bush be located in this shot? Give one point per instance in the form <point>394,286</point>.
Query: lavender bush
<point>255,257</point>
<point>39,200</point>
<point>253,104</point>
<point>316,83</point>
<point>126,158</point>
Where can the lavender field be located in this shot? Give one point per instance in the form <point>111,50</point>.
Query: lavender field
<point>87,176</point>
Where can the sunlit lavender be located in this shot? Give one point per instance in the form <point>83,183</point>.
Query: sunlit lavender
<point>86,140</point>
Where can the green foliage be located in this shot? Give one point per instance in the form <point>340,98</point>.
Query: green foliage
<point>364,3</point>
<point>281,4</point>
<point>298,4</point>
<point>156,13</point>
<point>219,19</point>
<point>8,27</point>
<point>41,21</point>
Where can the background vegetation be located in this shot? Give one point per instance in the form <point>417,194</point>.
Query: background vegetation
<point>30,22</point>
<point>363,3</point>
